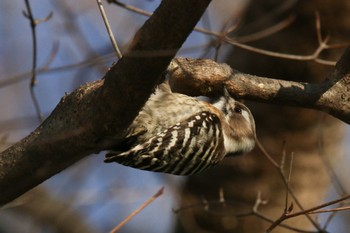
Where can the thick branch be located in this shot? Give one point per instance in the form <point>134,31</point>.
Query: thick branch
<point>206,77</point>
<point>84,119</point>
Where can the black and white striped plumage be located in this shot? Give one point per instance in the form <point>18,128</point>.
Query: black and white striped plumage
<point>182,135</point>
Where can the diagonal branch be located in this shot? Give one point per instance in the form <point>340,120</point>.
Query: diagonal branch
<point>83,120</point>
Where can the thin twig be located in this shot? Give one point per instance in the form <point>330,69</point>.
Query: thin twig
<point>266,219</point>
<point>223,37</point>
<point>314,210</point>
<point>138,210</point>
<point>44,69</point>
<point>267,31</point>
<point>248,38</point>
<point>284,179</point>
<point>258,202</point>
<point>342,208</point>
<point>317,209</point>
<point>257,214</point>
<point>33,23</point>
<point>318,27</point>
<point>253,212</point>
<point>322,45</point>
<point>288,183</point>
<point>131,8</point>
<point>109,30</point>
<point>52,55</point>
<point>205,204</point>
<point>312,57</point>
<point>266,154</point>
<point>287,209</point>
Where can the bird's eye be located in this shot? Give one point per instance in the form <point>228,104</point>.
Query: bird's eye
<point>238,110</point>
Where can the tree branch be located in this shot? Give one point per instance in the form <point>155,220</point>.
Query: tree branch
<point>83,120</point>
<point>206,77</point>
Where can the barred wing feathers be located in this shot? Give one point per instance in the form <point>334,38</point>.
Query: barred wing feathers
<point>185,148</point>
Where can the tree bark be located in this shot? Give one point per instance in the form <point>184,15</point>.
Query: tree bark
<point>95,116</point>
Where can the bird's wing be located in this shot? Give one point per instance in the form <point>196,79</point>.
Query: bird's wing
<point>184,148</point>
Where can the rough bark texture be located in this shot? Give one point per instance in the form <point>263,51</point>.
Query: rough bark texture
<point>303,131</point>
<point>205,77</point>
<point>95,116</point>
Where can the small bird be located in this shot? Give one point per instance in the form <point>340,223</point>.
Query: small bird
<point>181,135</point>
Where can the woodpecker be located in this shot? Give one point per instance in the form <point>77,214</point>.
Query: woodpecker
<point>181,135</point>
